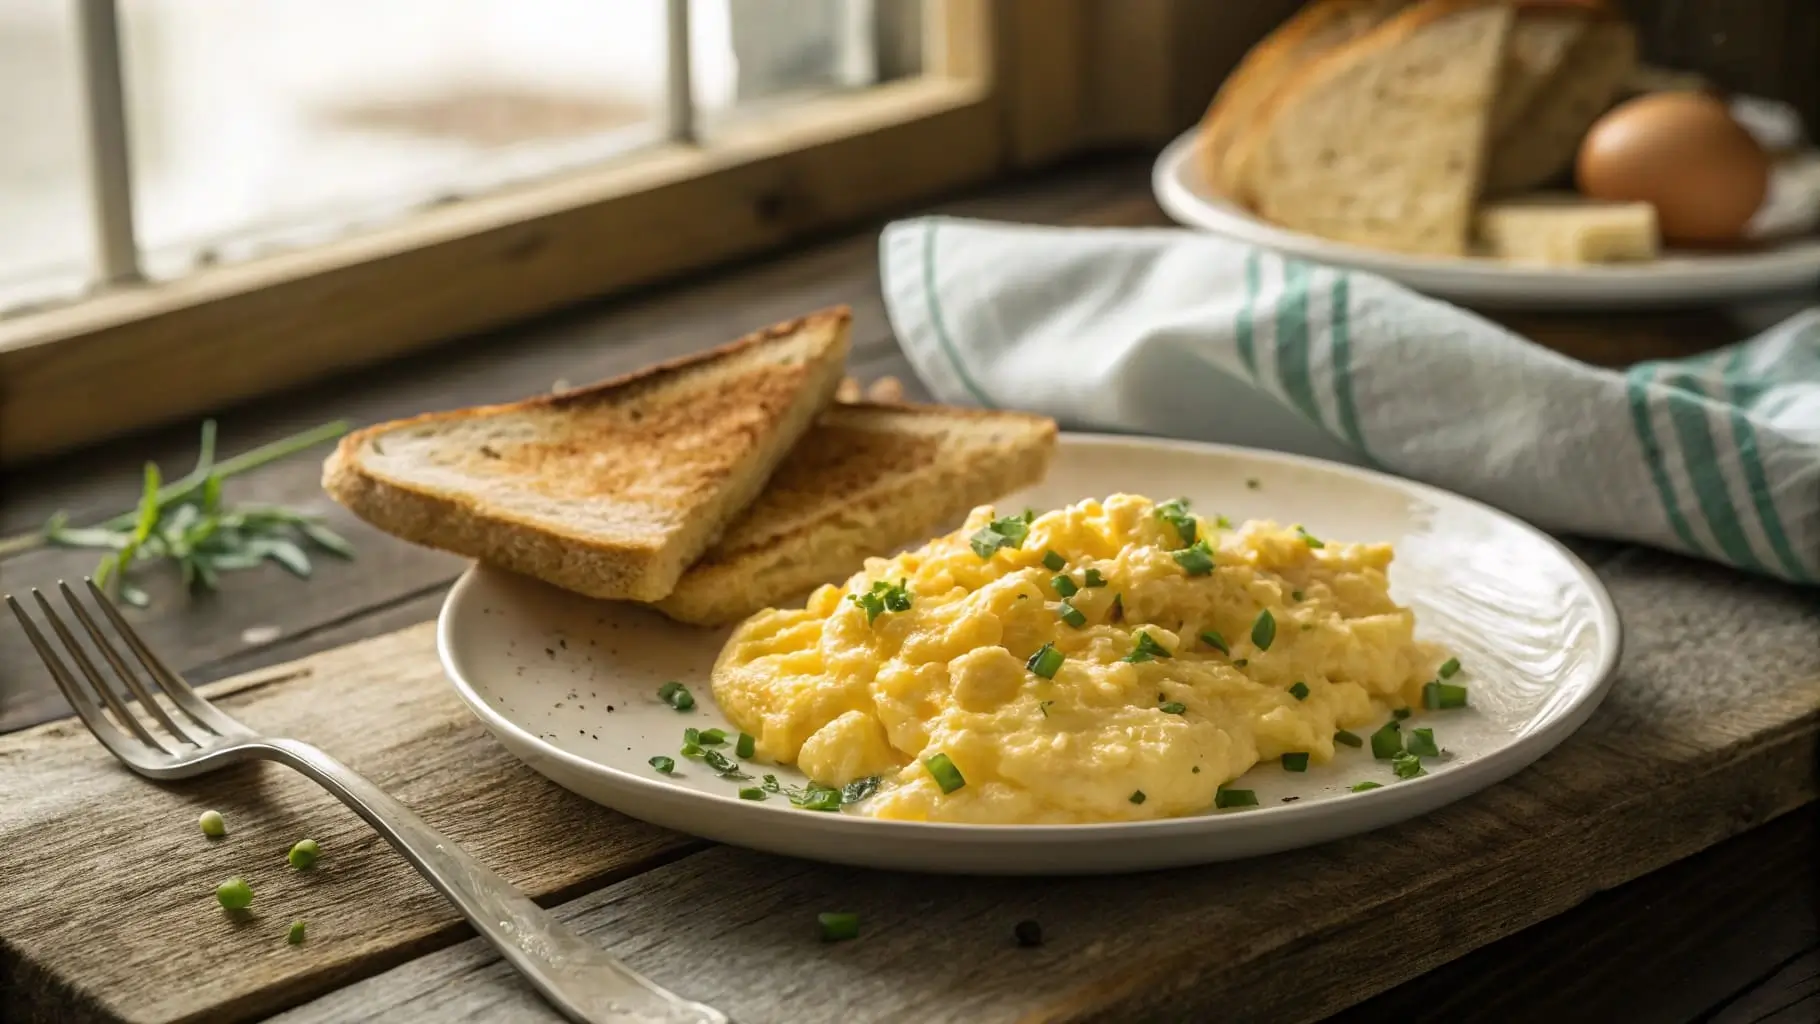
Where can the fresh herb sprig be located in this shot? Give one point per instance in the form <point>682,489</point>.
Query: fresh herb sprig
<point>187,522</point>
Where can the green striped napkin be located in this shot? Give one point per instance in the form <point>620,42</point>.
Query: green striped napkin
<point>1184,334</point>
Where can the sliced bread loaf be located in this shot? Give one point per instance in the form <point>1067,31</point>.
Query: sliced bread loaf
<point>1536,143</point>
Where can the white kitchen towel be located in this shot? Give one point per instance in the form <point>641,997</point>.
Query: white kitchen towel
<point>1184,334</point>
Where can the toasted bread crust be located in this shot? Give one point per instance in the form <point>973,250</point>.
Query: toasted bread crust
<point>865,481</point>
<point>599,443</point>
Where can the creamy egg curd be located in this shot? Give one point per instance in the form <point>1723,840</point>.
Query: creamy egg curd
<point>1115,660</point>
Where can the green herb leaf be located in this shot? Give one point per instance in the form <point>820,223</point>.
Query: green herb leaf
<point>665,765</point>
<point>859,789</point>
<point>1360,787</point>
<point>1138,797</point>
<point>712,737</point>
<point>1196,559</point>
<point>1174,707</point>
<point>747,747</point>
<point>1295,762</point>
<point>1092,578</point>
<point>676,695</point>
<point>1264,630</point>
<point>1407,765</point>
<point>286,554</point>
<point>1348,739</point>
<point>1224,798</point>
<point>326,539</point>
<point>1450,668</point>
<point>1047,661</point>
<point>1175,513</point>
<point>1443,696</point>
<point>751,793</point>
<point>1147,649</point>
<point>1308,539</point>
<point>1054,562</point>
<point>1213,639</point>
<point>1422,743</point>
<point>1005,532</point>
<point>1387,742</point>
<point>1071,615</point>
<point>838,927</point>
<point>1400,713</point>
<point>943,771</point>
<point>817,798</point>
<point>1299,691</point>
<point>1064,586</point>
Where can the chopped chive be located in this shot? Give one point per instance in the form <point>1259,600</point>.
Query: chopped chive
<point>1387,742</point>
<point>1360,787</point>
<point>1043,706</point>
<point>1175,513</point>
<point>1054,562</point>
<point>691,750</point>
<point>1137,796</point>
<point>1240,662</point>
<point>1309,539</point>
<point>1117,614</point>
<point>1196,769</point>
<point>838,927</point>
<point>1296,596</point>
<point>1422,743</point>
<point>1047,661</point>
<point>817,798</point>
<point>1004,532</point>
<point>691,737</point>
<point>1064,586</point>
<point>1195,559</point>
<point>1347,739</point>
<point>1174,707</point>
<point>1213,639</point>
<point>1252,483</point>
<point>1264,630</point>
<point>665,765</point>
<point>771,785</point>
<point>1092,578</point>
<point>872,604</point>
<point>747,746</point>
<point>676,695</point>
<point>752,793</point>
<point>943,771</point>
<point>1443,696</point>
<point>1399,713</point>
<point>859,789</point>
<point>1407,765</point>
<point>1222,522</point>
<point>1299,691</point>
<point>1147,649</point>
<point>1071,615</point>
<point>1450,668</point>
<point>1295,762</point>
<point>712,738</point>
<point>719,761</point>
<point>881,598</point>
<point>1224,797</point>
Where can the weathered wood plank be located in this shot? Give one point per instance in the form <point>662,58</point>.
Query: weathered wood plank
<point>1698,741</point>
<point>1790,996</point>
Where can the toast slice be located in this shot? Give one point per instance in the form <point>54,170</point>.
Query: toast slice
<point>610,490</point>
<point>1317,28</point>
<point>867,480</point>
<point>1382,142</point>
<point>1539,144</point>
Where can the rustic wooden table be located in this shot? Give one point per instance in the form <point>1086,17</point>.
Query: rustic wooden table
<point>1728,934</point>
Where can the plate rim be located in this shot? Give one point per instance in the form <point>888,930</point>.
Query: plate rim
<point>1709,278</point>
<point>1418,793</point>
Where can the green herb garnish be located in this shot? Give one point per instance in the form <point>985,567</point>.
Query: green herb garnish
<point>746,747</point>
<point>1422,743</point>
<point>1309,539</point>
<point>664,765</point>
<point>883,597</point>
<point>1407,765</point>
<point>838,927</point>
<point>943,771</point>
<point>1213,639</point>
<point>1047,661</point>
<point>1299,691</point>
<point>1400,713</point>
<point>1224,797</point>
<point>1064,586</point>
<point>1443,696</point>
<point>1264,630</point>
<point>710,737</point>
<point>1071,615</point>
<point>1092,578</point>
<point>1137,796</point>
<point>1176,514</point>
<point>1360,787</point>
<point>1054,562</point>
<point>859,789</point>
<point>1348,739</point>
<point>1174,707</point>
<point>1387,742</point>
<point>1295,762</point>
<point>1147,649</point>
<point>817,798</point>
<point>1005,532</point>
<point>1043,706</point>
<point>751,793</point>
<point>676,695</point>
<point>1195,559</point>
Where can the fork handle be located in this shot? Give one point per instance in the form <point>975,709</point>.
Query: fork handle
<point>588,984</point>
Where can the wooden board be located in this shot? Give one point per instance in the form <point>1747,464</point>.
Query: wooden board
<point>1710,730</point>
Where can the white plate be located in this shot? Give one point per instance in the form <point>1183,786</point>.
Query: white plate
<point>568,684</point>
<point>1676,279</point>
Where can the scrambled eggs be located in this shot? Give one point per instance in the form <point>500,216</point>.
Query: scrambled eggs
<point>1109,661</point>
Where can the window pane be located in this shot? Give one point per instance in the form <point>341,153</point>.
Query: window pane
<point>45,247</point>
<point>779,49</point>
<point>283,123</point>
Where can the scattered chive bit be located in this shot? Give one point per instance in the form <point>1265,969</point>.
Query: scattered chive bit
<point>1450,668</point>
<point>295,935</point>
<point>1213,639</point>
<point>943,771</point>
<point>1047,661</point>
<point>676,695</point>
<point>1224,797</point>
<point>883,597</point>
<point>1147,649</point>
<point>1054,562</point>
<point>1360,787</point>
<point>1299,691</point>
<point>1005,532</point>
<point>817,798</point>
<point>1196,559</point>
<point>1175,513</point>
<point>771,785</point>
<point>1137,796</point>
<point>712,737</point>
<point>1222,522</point>
<point>1348,739</point>
<point>690,749</point>
<point>838,927</point>
<point>691,737</point>
<point>1064,586</point>
<point>1028,934</point>
<point>212,824</point>
<point>1240,662</point>
<point>304,855</point>
<point>859,789</point>
<point>751,793</point>
<point>721,763</point>
<point>1196,770</point>
<point>1296,596</point>
<point>1117,614</point>
<point>1310,539</point>
<point>1443,696</point>
<point>234,894</point>
<point>1043,706</point>
<point>1174,707</point>
<point>1387,742</point>
<point>1071,615</point>
<point>1264,630</point>
<point>1295,762</point>
<point>1252,483</point>
<point>1407,765</point>
<point>747,746</point>
<point>664,765</point>
<point>1422,743</point>
<point>1399,713</point>
<point>1092,578</point>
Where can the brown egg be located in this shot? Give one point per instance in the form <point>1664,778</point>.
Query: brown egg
<point>1682,153</point>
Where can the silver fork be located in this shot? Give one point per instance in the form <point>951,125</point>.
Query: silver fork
<point>586,983</point>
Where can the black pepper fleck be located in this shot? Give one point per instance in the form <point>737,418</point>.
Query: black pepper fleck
<point>1029,934</point>
<point>551,651</point>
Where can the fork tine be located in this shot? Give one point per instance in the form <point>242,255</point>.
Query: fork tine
<point>113,657</point>
<point>180,692</point>
<point>95,679</point>
<point>80,702</point>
